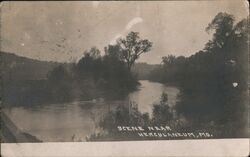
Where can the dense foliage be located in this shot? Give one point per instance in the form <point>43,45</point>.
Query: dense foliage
<point>92,77</point>
<point>108,76</point>
<point>213,81</point>
<point>132,47</point>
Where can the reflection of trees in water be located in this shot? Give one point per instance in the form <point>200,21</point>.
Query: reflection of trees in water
<point>93,117</point>
<point>129,115</point>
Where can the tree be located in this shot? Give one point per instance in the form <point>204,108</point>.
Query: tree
<point>164,98</point>
<point>162,113</point>
<point>59,83</point>
<point>222,24</point>
<point>113,52</point>
<point>93,53</point>
<point>132,47</point>
<point>168,60</point>
<point>90,63</point>
<point>58,74</point>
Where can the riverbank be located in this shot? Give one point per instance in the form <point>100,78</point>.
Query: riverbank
<point>59,122</point>
<point>12,134</point>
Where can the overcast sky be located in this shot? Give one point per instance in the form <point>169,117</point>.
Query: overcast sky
<point>61,31</point>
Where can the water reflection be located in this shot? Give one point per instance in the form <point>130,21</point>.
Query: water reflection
<point>74,121</point>
<point>150,93</point>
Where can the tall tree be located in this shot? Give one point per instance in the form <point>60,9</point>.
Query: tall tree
<point>132,47</point>
<point>93,53</point>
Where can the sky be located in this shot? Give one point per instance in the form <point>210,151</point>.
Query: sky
<point>62,31</point>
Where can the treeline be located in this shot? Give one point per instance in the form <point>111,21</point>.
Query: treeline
<point>213,81</point>
<point>93,76</point>
<point>18,68</point>
<point>143,70</point>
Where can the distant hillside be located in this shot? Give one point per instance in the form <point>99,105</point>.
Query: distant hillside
<point>143,69</point>
<point>15,67</point>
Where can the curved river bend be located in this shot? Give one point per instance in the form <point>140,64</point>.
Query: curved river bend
<point>74,121</point>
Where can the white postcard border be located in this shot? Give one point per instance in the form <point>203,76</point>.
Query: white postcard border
<point>202,147</point>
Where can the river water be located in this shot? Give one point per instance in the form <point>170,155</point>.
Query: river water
<point>74,121</point>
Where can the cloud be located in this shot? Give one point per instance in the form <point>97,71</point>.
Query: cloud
<point>133,22</point>
<point>113,41</point>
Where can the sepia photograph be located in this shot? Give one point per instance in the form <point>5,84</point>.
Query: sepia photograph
<point>91,71</point>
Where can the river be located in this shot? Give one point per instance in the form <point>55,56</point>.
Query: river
<point>74,121</point>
